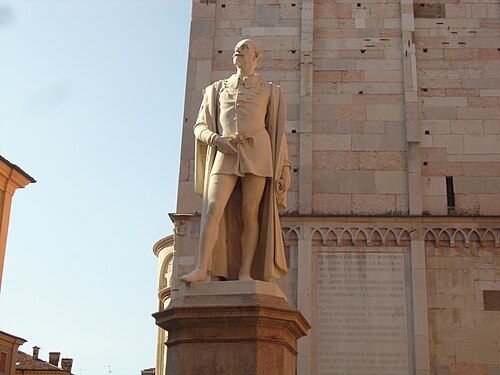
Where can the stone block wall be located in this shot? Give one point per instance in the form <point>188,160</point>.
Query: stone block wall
<point>458,71</point>
<point>393,106</point>
<point>463,330</point>
<point>358,146</point>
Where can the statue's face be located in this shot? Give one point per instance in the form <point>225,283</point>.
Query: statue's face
<point>244,55</point>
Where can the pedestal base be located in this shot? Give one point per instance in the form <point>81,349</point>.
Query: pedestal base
<point>231,327</point>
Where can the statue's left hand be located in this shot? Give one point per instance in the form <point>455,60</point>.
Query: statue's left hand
<point>285,176</point>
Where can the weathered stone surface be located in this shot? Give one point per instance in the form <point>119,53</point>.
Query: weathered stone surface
<point>331,204</point>
<point>374,204</point>
<point>390,182</point>
<point>336,160</point>
<point>325,181</point>
<point>385,112</point>
<point>489,203</point>
<point>382,161</point>
<point>332,142</point>
<point>356,181</point>
<point>434,204</point>
<point>467,204</point>
<point>463,368</point>
<point>429,10</point>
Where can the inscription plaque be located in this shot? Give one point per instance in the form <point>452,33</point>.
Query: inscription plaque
<point>362,319</point>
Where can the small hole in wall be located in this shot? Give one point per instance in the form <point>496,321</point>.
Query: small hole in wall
<point>427,132</point>
<point>295,170</point>
<point>359,5</point>
<point>293,51</point>
<point>360,92</point>
<point>294,131</point>
<point>425,163</point>
<point>491,300</point>
<point>219,51</point>
<point>498,49</point>
<point>425,50</point>
<point>223,5</point>
<point>424,89</point>
<point>362,50</point>
<point>186,120</point>
<point>293,4</point>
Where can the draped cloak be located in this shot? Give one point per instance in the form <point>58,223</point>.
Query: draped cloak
<point>269,260</point>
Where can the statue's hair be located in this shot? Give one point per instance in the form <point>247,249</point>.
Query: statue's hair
<point>258,49</point>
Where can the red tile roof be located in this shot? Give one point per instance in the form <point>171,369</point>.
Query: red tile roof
<point>27,362</point>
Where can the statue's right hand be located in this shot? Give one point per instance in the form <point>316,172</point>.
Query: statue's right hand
<point>224,145</point>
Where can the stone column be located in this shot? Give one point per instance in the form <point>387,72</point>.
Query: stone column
<point>231,327</point>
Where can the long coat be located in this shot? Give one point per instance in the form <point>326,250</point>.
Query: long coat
<point>269,260</point>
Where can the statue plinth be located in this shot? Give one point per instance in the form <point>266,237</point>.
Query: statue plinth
<point>231,327</point>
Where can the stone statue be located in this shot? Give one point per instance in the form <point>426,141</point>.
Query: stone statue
<point>242,172</point>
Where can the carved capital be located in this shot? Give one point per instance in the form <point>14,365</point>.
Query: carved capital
<point>180,227</point>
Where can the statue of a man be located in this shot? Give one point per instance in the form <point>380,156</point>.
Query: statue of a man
<point>242,172</point>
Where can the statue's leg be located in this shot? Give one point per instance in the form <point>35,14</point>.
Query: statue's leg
<point>220,188</point>
<point>252,190</point>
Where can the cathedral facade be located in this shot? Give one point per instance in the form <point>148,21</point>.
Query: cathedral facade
<point>392,231</point>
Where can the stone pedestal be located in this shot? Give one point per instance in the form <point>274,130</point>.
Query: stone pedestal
<point>231,327</point>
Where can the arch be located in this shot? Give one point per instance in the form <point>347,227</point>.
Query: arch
<point>350,235</point>
<point>163,281</point>
<point>457,233</point>
<point>431,232</point>
<point>357,231</point>
<point>374,232</point>
<point>290,234</point>
<point>490,232</point>
<point>401,235</point>
<point>450,237</point>
<point>317,234</point>
<point>394,238</point>
<point>473,234</point>
<point>333,237</point>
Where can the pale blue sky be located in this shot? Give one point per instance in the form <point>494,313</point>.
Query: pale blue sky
<point>91,101</point>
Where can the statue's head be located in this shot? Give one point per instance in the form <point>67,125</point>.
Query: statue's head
<point>247,53</point>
